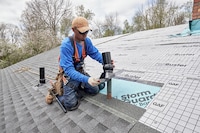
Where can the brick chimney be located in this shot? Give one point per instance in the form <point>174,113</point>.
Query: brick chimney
<point>194,24</point>
<point>196,10</point>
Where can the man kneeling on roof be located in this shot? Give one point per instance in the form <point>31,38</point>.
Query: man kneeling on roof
<point>73,50</point>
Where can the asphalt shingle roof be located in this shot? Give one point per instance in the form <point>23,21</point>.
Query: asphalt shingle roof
<point>149,57</point>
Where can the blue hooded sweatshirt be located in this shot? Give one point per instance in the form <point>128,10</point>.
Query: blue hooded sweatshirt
<point>67,62</point>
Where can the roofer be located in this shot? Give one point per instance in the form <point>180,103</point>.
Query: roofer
<point>72,53</point>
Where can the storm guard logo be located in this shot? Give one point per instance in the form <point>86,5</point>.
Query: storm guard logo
<point>140,99</point>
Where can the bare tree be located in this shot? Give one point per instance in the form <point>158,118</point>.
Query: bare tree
<point>9,34</point>
<point>171,10</point>
<point>41,23</point>
<point>66,25</point>
<point>127,27</point>
<point>88,14</point>
<point>98,29</point>
<point>9,42</point>
<point>139,20</point>
<point>111,25</point>
<point>14,34</point>
<point>3,41</point>
<point>187,9</point>
<point>2,31</point>
<point>154,16</point>
<point>158,14</point>
<point>50,12</point>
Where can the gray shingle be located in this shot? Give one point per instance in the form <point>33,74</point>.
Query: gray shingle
<point>141,128</point>
<point>99,129</point>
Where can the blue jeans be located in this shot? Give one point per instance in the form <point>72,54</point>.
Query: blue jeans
<point>69,97</point>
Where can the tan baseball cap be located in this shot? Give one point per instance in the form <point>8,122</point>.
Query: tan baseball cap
<point>81,24</point>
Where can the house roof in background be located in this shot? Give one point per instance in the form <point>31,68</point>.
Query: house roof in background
<point>148,57</point>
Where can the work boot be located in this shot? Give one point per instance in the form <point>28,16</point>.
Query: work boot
<point>49,98</point>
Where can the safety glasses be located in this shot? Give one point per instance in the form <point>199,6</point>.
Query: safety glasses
<point>82,33</point>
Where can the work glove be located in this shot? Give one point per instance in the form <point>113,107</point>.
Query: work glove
<point>93,81</point>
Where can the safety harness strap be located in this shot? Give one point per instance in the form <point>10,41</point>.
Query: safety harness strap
<point>76,56</point>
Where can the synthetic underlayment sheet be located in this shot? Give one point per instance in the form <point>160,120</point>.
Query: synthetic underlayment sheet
<point>132,92</point>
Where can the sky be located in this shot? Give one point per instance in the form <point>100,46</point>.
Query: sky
<point>11,10</point>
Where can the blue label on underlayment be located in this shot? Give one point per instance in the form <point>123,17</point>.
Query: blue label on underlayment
<point>132,92</point>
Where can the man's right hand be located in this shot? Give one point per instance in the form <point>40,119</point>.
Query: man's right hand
<point>93,81</point>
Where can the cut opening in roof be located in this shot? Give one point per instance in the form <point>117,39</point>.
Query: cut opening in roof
<point>135,93</point>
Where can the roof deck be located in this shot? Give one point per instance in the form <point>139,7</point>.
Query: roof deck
<point>150,57</point>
